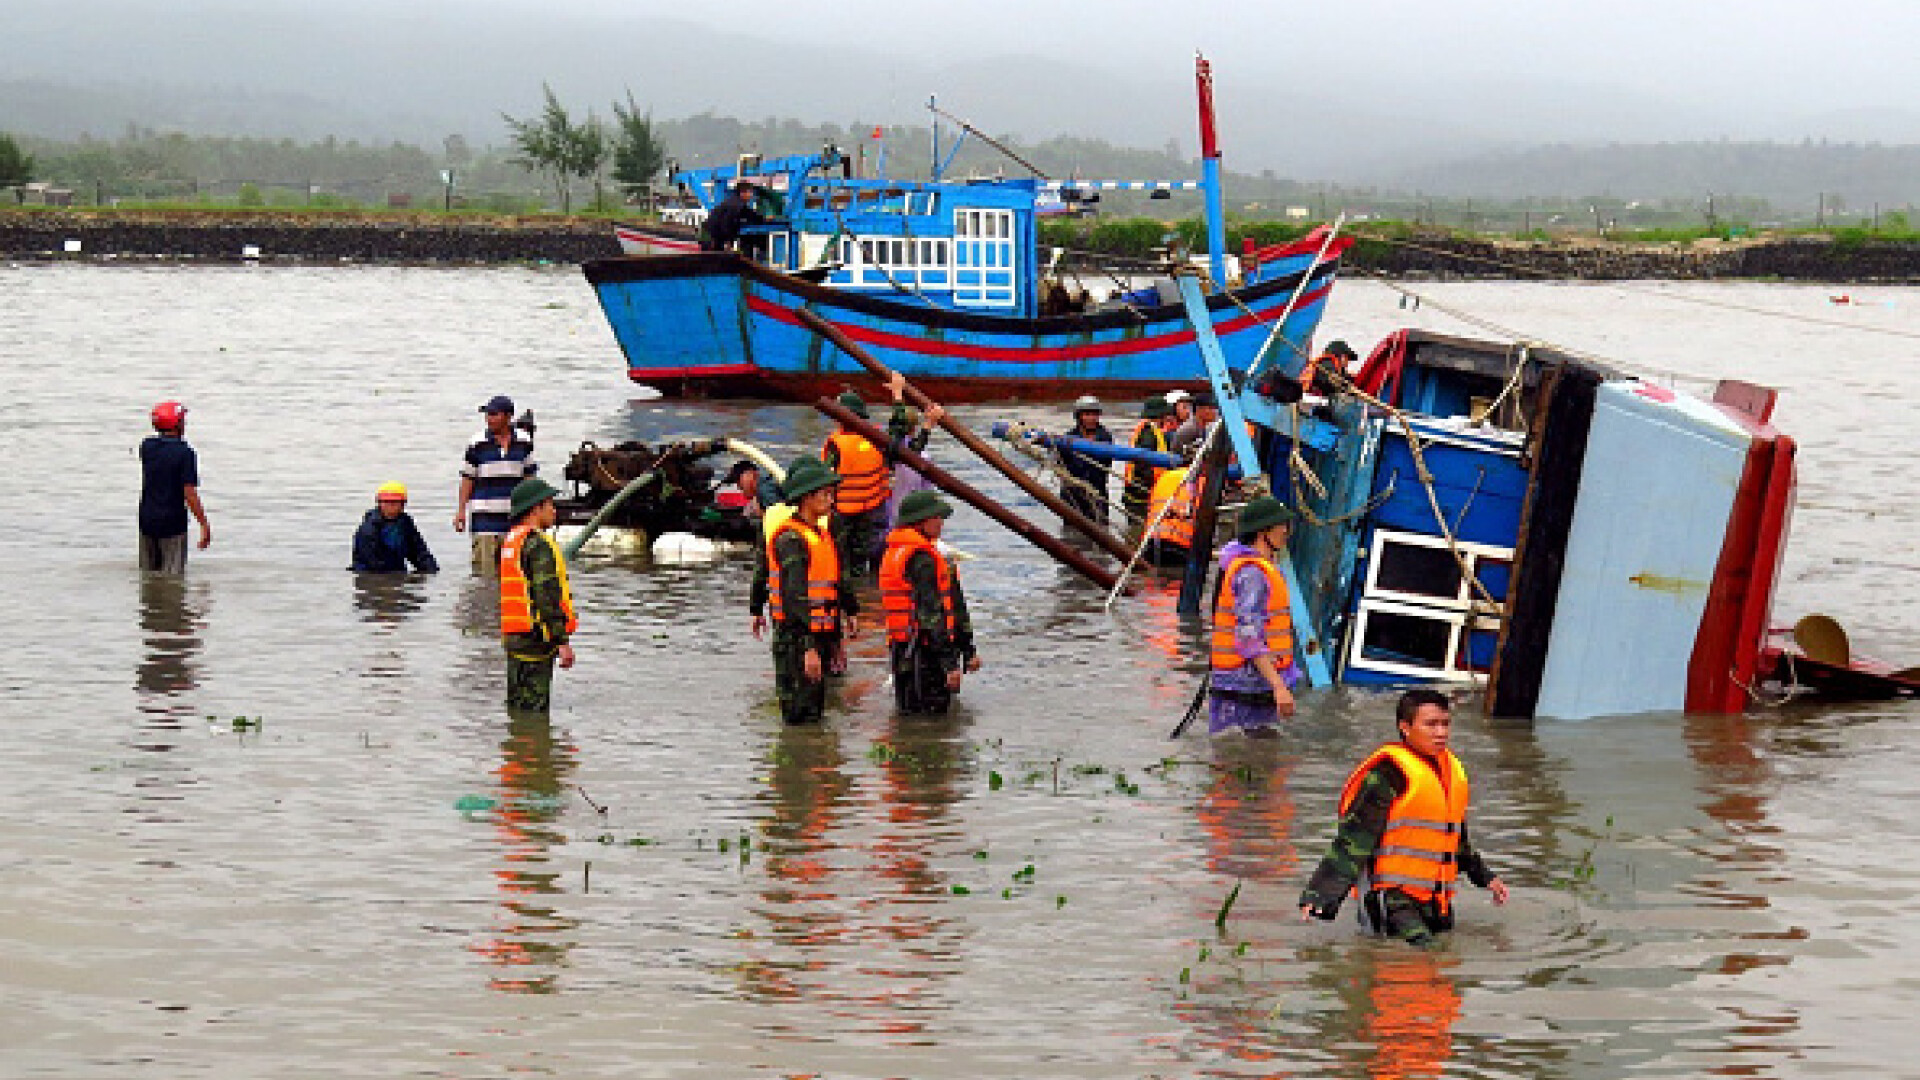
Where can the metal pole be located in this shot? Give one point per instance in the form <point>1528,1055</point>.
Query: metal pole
<point>968,439</point>
<point>1213,470</point>
<point>966,493</point>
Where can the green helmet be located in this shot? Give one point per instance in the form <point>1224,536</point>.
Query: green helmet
<point>1155,408</point>
<point>807,474</point>
<point>530,493</point>
<point>1262,514</point>
<point>855,404</point>
<point>921,505</point>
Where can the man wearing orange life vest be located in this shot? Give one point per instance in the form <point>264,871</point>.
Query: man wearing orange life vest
<point>808,595</point>
<point>1251,672</point>
<point>866,477</point>
<point>1156,416</point>
<point>929,631</point>
<point>536,604</point>
<point>1403,832</point>
<point>1172,538</point>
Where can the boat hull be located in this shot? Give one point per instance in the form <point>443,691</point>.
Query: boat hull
<point>715,325</point>
<point>657,238</point>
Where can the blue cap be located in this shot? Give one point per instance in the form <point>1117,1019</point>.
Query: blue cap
<point>499,403</point>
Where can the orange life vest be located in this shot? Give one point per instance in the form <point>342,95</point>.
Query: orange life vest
<point>1139,473</point>
<point>896,592</point>
<point>1419,851</point>
<point>1279,619</point>
<point>1180,498</point>
<point>865,479</point>
<point>823,577</point>
<point>516,605</point>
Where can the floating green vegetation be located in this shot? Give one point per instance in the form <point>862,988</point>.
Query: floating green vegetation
<point>1089,770</point>
<point>1059,902</point>
<point>961,890</point>
<point>1124,786</point>
<point>1024,875</point>
<point>995,781</point>
<point>1226,908</point>
<point>1581,873</point>
<point>981,854</point>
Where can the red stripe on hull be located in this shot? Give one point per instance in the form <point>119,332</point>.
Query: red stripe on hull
<point>748,382</point>
<point>1001,354</point>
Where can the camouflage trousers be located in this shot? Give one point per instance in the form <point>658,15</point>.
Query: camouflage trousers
<point>919,681</point>
<point>861,539</point>
<point>529,683</point>
<point>801,701</point>
<point>1392,913</point>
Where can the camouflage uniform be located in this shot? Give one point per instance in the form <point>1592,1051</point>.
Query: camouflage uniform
<point>530,656</point>
<point>921,663</point>
<point>801,701</point>
<point>1389,911</point>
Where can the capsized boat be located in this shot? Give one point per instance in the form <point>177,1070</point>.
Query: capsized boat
<point>942,280</point>
<point>1571,539</point>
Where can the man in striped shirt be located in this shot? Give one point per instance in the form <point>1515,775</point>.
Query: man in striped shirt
<point>495,463</point>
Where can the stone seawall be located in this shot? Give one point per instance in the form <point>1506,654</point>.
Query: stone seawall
<point>1788,259</point>
<point>227,237</point>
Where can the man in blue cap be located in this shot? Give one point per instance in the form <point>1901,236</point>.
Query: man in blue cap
<point>494,464</point>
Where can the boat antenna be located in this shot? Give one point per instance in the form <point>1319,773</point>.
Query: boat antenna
<point>988,139</point>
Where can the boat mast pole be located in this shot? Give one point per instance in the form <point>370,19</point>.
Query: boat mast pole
<point>933,127</point>
<point>1210,174</point>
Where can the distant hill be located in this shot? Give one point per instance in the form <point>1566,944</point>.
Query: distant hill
<point>1852,176</point>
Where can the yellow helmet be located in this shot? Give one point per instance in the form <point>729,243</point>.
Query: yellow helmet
<point>393,490</point>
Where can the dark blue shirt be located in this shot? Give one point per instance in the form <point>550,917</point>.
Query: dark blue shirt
<point>494,472</point>
<point>381,546</point>
<point>168,467</point>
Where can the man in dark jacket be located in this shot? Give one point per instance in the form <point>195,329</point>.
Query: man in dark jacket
<point>169,491</point>
<point>1085,486</point>
<point>388,540</point>
<point>732,217</point>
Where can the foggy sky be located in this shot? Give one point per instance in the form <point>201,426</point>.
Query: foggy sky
<point>1342,91</point>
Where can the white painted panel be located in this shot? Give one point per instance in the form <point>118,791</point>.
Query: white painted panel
<point>1656,492</point>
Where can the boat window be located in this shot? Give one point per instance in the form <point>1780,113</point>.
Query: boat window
<point>866,251</point>
<point>1402,638</point>
<point>1419,571</point>
<point>899,253</point>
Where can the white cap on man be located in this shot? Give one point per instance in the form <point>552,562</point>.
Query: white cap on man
<point>1175,397</point>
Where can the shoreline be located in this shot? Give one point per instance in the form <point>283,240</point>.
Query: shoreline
<point>282,236</point>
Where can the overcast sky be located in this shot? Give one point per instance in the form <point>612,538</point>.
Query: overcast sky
<point>1807,56</point>
<point>1350,90</point>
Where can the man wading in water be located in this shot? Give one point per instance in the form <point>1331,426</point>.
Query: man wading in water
<point>1403,829</point>
<point>536,604</point>
<point>169,490</point>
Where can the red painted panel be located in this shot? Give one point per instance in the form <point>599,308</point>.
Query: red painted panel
<point>1709,669</point>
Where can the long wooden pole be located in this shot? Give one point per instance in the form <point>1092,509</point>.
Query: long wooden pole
<point>1212,468</point>
<point>965,492</point>
<point>973,442</point>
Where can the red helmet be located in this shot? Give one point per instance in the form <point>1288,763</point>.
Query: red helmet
<point>169,415</point>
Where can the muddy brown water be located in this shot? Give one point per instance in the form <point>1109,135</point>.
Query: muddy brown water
<point>271,821</point>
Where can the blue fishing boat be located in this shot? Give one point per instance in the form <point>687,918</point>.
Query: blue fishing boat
<point>942,280</point>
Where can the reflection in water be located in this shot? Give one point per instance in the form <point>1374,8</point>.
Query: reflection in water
<point>531,943</point>
<point>387,599</point>
<point>872,950</point>
<point>172,618</point>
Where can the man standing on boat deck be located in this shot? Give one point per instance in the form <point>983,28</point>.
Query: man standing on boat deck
<point>169,491</point>
<point>1150,434</point>
<point>929,631</point>
<point>1403,832</point>
<point>1085,487</point>
<point>536,604</point>
<point>806,593</point>
<point>730,218</point>
<point>497,462</point>
<point>1251,672</point>
<point>866,475</point>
